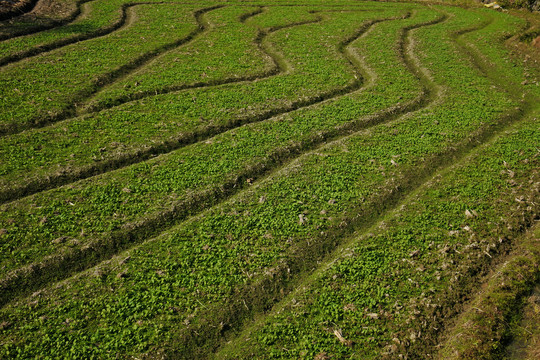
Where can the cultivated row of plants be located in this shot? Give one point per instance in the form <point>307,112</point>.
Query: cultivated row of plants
<point>35,225</point>
<point>182,290</point>
<point>70,150</point>
<point>46,87</point>
<point>96,18</point>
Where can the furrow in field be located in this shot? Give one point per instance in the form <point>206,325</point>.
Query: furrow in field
<point>216,243</point>
<point>11,51</point>
<point>58,177</point>
<point>20,9</point>
<point>279,67</point>
<point>139,230</point>
<point>21,26</point>
<point>326,308</point>
<point>37,109</point>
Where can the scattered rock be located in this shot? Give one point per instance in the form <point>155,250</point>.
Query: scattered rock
<point>60,240</point>
<point>321,356</point>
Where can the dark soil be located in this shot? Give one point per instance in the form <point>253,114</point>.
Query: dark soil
<point>12,8</point>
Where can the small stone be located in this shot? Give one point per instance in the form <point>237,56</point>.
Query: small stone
<point>60,240</point>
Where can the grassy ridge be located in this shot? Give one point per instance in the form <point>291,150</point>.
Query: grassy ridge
<point>70,148</point>
<point>166,182</point>
<point>62,77</point>
<point>284,217</point>
<point>96,18</point>
<point>371,132</point>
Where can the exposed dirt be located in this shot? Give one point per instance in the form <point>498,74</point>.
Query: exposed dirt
<point>22,17</point>
<point>12,8</point>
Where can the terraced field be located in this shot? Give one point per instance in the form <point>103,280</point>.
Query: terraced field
<point>287,179</point>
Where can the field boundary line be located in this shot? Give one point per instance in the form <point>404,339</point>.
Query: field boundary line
<point>35,275</point>
<point>108,77</point>
<point>70,18</point>
<point>58,44</point>
<point>126,159</point>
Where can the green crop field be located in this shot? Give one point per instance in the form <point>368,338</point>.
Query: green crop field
<point>286,179</point>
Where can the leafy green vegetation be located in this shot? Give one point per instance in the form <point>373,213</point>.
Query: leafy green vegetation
<point>149,185</point>
<point>379,287</point>
<point>97,17</point>
<point>67,75</point>
<point>232,180</point>
<point>177,118</point>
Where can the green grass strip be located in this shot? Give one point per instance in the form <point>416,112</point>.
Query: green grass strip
<point>247,247</point>
<point>34,225</point>
<point>97,18</point>
<point>44,88</point>
<point>70,149</point>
